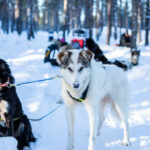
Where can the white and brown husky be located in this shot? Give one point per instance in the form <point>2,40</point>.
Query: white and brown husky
<point>88,82</point>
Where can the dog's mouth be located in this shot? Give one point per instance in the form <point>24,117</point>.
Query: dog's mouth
<point>4,83</point>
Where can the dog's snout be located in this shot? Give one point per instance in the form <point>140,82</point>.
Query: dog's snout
<point>76,84</point>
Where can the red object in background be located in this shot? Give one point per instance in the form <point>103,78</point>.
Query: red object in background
<point>81,42</point>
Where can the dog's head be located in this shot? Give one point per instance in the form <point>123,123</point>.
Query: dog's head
<point>5,73</point>
<point>135,57</point>
<point>75,66</point>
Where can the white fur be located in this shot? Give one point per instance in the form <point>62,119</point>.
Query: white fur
<point>3,109</point>
<point>107,85</point>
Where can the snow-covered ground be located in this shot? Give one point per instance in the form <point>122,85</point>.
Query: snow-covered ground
<point>26,62</point>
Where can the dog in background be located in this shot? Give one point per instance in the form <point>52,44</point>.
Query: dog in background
<point>99,56</point>
<point>87,82</point>
<point>135,54</point>
<point>13,121</point>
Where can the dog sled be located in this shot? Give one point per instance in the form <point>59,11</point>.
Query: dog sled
<point>50,54</point>
<point>78,40</point>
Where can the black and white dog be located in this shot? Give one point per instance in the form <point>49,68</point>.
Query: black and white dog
<point>13,121</point>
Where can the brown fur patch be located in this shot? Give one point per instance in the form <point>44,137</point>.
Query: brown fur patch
<point>85,58</point>
<point>66,47</point>
<point>64,58</point>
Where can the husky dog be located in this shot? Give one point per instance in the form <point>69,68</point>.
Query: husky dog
<point>13,121</point>
<point>86,81</point>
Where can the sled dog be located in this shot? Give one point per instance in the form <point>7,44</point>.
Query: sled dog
<point>13,121</point>
<point>87,82</point>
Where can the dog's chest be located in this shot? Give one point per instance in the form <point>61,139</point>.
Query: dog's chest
<point>3,109</point>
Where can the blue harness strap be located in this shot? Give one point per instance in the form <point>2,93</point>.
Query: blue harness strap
<point>29,82</point>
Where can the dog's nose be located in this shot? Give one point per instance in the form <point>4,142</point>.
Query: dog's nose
<point>76,84</point>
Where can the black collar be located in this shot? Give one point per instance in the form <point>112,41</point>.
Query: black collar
<point>82,98</point>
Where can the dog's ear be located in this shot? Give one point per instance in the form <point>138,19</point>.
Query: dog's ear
<point>87,54</point>
<point>11,79</point>
<point>63,57</point>
<point>85,57</point>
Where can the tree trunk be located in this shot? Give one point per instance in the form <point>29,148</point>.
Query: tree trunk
<point>147,23</point>
<point>126,17</point>
<point>109,21</point>
<point>89,16</point>
<point>12,15</point>
<point>102,12</point>
<point>65,18</point>
<point>115,18</point>
<point>97,20</point>
<point>5,16</point>
<point>56,24</point>
<point>30,31</point>
<point>120,17</point>
<point>134,24</point>
<point>139,22</point>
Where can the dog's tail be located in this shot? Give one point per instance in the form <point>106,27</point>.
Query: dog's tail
<point>99,56</point>
<point>121,64</point>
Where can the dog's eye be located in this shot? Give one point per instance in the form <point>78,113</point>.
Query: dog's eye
<point>81,68</point>
<point>70,69</point>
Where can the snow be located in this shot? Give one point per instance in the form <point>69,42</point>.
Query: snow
<point>26,62</point>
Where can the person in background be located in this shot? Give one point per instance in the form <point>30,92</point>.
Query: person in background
<point>125,40</point>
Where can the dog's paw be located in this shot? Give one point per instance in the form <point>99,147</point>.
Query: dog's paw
<point>126,143</point>
<point>70,147</point>
<point>98,133</point>
<point>26,148</point>
<point>60,101</point>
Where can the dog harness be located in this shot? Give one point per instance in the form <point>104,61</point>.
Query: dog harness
<point>82,97</point>
<point>14,119</point>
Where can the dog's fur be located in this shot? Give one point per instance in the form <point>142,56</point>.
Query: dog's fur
<point>99,56</point>
<point>13,121</point>
<point>106,85</point>
<point>135,54</point>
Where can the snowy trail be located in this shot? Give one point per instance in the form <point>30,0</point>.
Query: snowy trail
<point>26,61</point>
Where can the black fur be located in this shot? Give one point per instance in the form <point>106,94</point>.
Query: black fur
<point>99,56</point>
<point>98,53</point>
<point>16,122</point>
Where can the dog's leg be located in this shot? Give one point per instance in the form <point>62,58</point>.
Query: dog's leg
<point>124,119</point>
<point>70,110</point>
<point>9,124</point>
<point>93,121</point>
<point>101,120</point>
<point>126,141</point>
<point>11,128</point>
